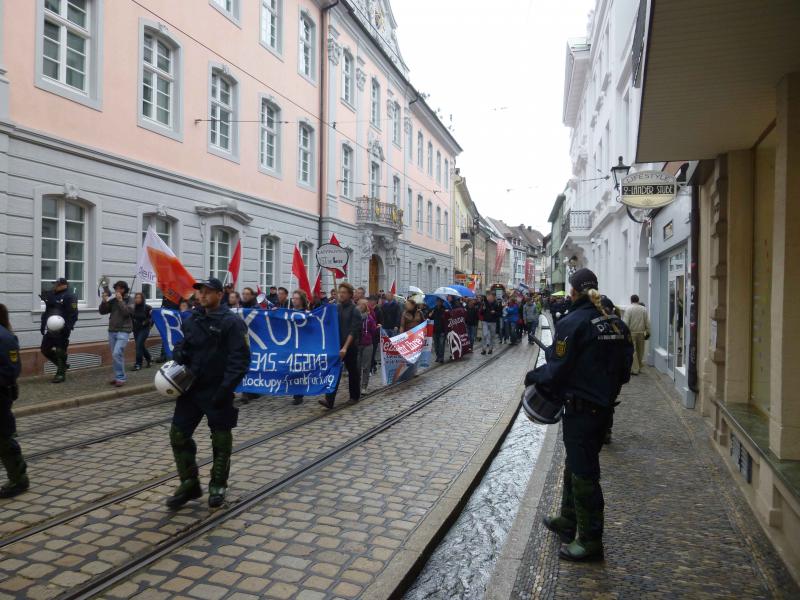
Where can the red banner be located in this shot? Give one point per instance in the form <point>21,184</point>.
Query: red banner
<point>457,334</point>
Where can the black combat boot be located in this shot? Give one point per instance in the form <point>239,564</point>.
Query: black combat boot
<point>184,450</point>
<point>222,445</point>
<point>564,523</point>
<point>14,463</point>
<point>60,356</point>
<point>588,545</point>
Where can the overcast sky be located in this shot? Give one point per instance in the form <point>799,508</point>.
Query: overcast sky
<point>498,68</point>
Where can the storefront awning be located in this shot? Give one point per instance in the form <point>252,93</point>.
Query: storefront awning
<point>711,71</point>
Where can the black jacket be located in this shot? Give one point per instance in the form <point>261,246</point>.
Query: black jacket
<point>142,317</point>
<point>216,349</point>
<point>10,365</point>
<point>64,304</point>
<point>390,315</point>
<point>439,317</point>
<point>590,358</point>
<point>492,311</point>
<point>349,323</point>
<point>473,314</point>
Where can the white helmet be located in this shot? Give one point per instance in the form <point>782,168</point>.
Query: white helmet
<point>173,379</point>
<point>55,323</point>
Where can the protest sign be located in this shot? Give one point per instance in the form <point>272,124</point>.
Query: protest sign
<point>401,354</point>
<point>292,352</point>
<point>457,334</point>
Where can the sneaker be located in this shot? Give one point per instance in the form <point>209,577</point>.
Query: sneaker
<point>147,366</point>
<point>326,403</point>
<point>112,382</point>
<point>490,351</point>
<point>119,383</point>
<point>137,367</point>
<point>483,352</point>
<point>297,400</point>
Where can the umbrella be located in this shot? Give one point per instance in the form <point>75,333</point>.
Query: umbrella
<point>413,290</point>
<point>559,294</point>
<point>463,290</point>
<point>418,298</point>
<point>430,300</point>
<point>446,291</point>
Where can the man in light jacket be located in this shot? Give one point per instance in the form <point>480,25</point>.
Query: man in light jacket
<point>120,325</point>
<point>638,322</point>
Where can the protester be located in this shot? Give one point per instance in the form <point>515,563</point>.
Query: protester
<point>490,315</point>
<point>234,300</point>
<point>439,317</point>
<point>370,338</point>
<point>120,327</point>
<point>390,315</point>
<point>142,323</point>
<point>184,308</point>
<point>226,294</point>
<point>472,320</point>
<point>282,301</point>
<point>412,316</point>
<point>349,332</point>
<point>272,297</point>
<point>249,298</point>
<point>530,314</point>
<point>510,320</point>
<point>374,310</point>
<point>333,297</point>
<point>299,303</point>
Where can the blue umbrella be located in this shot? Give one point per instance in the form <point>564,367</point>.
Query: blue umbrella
<point>430,301</point>
<point>463,290</point>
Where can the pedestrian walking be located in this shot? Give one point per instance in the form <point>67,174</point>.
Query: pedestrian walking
<point>391,313</point>
<point>120,326</point>
<point>490,316</point>
<point>215,349</point>
<point>472,320</point>
<point>349,333</point>
<point>586,366</point>
<point>511,318</point>
<point>368,342</point>
<point>299,303</point>
<point>142,323</point>
<point>412,316</point>
<point>638,321</point>
<point>439,317</point>
<point>58,302</point>
<point>530,314</point>
<point>10,451</point>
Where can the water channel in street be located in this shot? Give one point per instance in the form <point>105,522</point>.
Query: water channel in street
<point>462,564</point>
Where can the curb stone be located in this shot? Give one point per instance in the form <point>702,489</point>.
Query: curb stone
<point>43,407</point>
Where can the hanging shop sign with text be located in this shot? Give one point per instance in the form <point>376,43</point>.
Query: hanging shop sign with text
<point>648,189</point>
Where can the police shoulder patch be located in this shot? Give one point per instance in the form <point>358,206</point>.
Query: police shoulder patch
<point>561,348</point>
<point>13,356</point>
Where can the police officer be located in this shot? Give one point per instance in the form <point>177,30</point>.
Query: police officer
<point>58,301</point>
<point>215,349</point>
<point>10,453</point>
<point>587,365</point>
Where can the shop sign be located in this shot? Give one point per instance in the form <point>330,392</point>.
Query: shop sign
<point>331,256</point>
<point>648,189</point>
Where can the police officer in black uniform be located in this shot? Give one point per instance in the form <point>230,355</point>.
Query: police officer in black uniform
<point>58,301</point>
<point>10,452</point>
<point>586,366</point>
<point>215,349</point>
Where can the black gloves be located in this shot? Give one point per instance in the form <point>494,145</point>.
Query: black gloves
<point>530,378</point>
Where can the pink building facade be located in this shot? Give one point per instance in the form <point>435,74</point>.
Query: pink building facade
<point>273,122</point>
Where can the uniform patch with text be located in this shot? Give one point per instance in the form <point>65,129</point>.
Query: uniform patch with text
<point>561,348</point>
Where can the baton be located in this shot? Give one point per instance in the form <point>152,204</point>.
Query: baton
<point>539,343</point>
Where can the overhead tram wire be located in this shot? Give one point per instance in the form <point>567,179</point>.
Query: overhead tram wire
<point>269,87</point>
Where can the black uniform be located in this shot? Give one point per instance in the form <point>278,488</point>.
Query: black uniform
<point>54,345</point>
<point>10,452</point>
<point>587,365</point>
<point>215,349</point>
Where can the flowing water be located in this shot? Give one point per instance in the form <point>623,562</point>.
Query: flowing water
<point>462,564</point>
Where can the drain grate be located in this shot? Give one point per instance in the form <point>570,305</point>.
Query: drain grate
<point>76,361</point>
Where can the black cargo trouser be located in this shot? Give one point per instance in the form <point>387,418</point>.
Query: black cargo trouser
<point>194,404</point>
<point>350,363</point>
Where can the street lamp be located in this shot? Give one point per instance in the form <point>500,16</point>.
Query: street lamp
<point>619,171</point>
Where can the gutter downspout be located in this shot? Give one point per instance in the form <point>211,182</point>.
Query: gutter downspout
<point>323,133</point>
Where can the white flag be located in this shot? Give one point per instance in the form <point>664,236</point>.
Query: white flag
<point>144,268</point>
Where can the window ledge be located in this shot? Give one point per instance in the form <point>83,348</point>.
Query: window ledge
<point>307,186</point>
<point>155,127</point>
<point>397,145</point>
<point>277,53</point>
<point>276,173</point>
<point>348,105</point>
<point>231,17</point>
<point>233,157</point>
<point>61,90</point>
<point>311,80</point>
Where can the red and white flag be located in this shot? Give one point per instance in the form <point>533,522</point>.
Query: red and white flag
<point>393,289</point>
<point>337,273</point>
<point>299,271</point>
<point>318,286</point>
<point>501,255</point>
<point>235,264</point>
<point>158,265</point>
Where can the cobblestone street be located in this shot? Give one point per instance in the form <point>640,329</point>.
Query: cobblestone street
<point>676,524</point>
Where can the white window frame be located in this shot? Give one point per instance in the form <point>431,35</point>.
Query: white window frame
<point>420,149</point>
<point>438,231</point>
<point>271,10</point>
<point>397,133</point>
<point>348,79</point>
<point>263,279</point>
<point>91,95</point>
<point>375,104</point>
<point>264,131</point>
<point>420,212</point>
<point>396,191</point>
<point>310,150</point>
<point>311,44</point>
<point>446,174</point>
<point>347,171</point>
<point>430,218</point>
<point>230,9</point>
<point>446,223</point>
<point>409,206</point>
<point>438,167</point>
<point>374,179</point>
<point>213,250</point>
<point>307,254</point>
<point>61,241</point>
<point>410,142</point>
<point>223,73</point>
<point>159,33</point>
<point>430,159</point>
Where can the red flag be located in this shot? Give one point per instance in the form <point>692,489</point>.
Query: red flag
<point>318,285</point>
<point>337,273</point>
<point>393,289</point>
<point>299,271</point>
<point>236,263</point>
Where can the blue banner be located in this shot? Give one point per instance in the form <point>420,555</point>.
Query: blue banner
<point>292,352</point>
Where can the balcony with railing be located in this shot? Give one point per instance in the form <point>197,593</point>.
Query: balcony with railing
<point>576,221</point>
<point>371,211</point>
